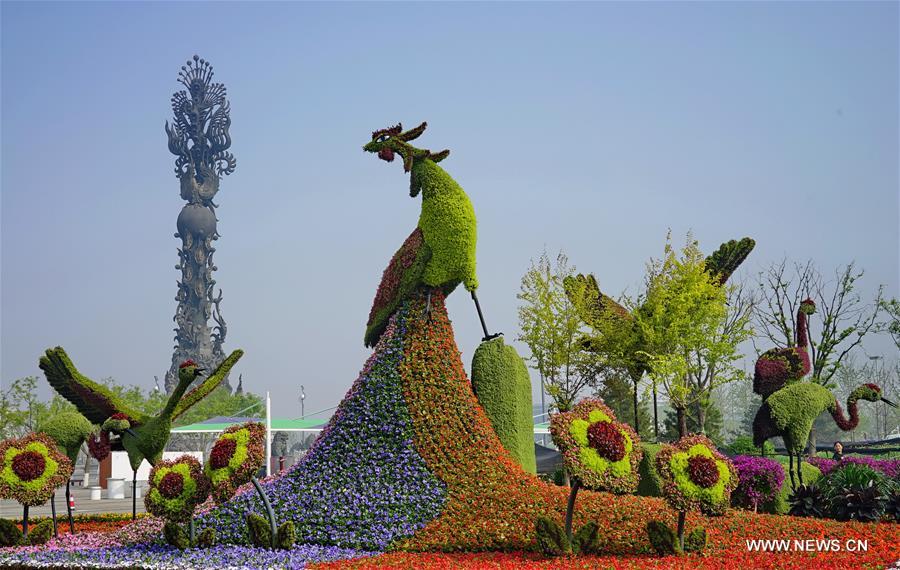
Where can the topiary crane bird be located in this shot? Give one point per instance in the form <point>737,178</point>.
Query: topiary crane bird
<point>789,413</point>
<point>141,435</point>
<point>440,252</point>
<point>777,367</point>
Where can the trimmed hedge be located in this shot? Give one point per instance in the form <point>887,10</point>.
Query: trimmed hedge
<point>650,484</point>
<point>501,383</point>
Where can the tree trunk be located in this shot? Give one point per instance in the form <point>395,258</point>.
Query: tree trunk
<point>811,447</point>
<point>655,415</point>
<point>682,421</point>
<point>701,417</point>
<point>637,427</point>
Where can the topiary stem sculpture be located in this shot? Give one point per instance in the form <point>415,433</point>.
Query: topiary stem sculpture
<point>142,436</point>
<point>570,506</point>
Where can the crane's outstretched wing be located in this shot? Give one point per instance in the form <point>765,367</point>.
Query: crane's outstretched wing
<point>211,383</point>
<point>399,281</point>
<point>95,402</point>
<point>725,260</point>
<point>590,302</point>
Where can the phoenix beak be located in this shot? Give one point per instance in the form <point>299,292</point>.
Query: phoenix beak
<point>199,371</point>
<point>131,432</point>
<point>888,402</point>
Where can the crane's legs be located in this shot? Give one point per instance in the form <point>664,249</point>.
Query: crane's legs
<point>53,514</point>
<point>791,470</point>
<point>134,495</point>
<point>69,507</point>
<point>481,318</point>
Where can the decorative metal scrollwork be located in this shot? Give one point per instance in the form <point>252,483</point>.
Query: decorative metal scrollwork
<point>199,132</point>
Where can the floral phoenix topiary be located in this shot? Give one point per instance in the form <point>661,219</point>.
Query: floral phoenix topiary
<point>31,470</point>
<point>695,477</point>
<point>599,452</point>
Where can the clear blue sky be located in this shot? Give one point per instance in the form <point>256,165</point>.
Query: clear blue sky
<point>587,127</point>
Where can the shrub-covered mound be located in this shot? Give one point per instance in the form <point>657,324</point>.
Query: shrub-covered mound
<point>363,484</point>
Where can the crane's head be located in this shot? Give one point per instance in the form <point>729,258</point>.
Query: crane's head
<point>807,306</point>
<point>188,371</point>
<point>872,393</point>
<point>388,142</point>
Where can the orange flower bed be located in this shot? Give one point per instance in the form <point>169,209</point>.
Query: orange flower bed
<point>62,525</point>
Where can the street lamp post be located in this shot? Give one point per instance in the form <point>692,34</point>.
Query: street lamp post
<point>302,402</point>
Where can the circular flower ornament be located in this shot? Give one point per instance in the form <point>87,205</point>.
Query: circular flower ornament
<point>696,476</point>
<point>602,453</point>
<point>176,488</point>
<point>32,468</point>
<point>235,458</point>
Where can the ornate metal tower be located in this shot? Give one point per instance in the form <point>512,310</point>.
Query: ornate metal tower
<point>199,138</point>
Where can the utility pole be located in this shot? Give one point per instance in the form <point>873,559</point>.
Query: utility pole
<point>302,402</point>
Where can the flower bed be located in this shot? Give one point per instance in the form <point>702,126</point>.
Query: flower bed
<point>890,467</point>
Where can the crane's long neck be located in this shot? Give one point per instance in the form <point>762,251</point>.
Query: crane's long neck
<point>176,396</point>
<point>843,422</point>
<point>802,333</point>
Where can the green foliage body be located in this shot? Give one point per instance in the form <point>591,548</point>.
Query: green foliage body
<point>286,535</point>
<point>551,538</point>
<point>587,539</point>
<point>502,384</point>
<point>650,484</point>
<point>259,530</point>
<point>662,538</point>
<point>176,535</point>
<point>448,224</point>
<point>207,538</point>
<point>10,533</point>
<point>40,533</point>
<point>69,430</point>
<point>793,410</point>
<point>696,540</point>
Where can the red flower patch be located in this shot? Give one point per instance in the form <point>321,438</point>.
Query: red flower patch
<point>607,440</point>
<point>703,471</point>
<point>28,465</point>
<point>171,485</point>
<point>222,452</point>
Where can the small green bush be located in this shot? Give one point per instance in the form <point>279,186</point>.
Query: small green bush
<point>587,539</point>
<point>207,538</point>
<point>743,445</point>
<point>501,382</point>
<point>696,540</point>
<point>856,492</point>
<point>808,501</point>
<point>551,538</point>
<point>286,535</point>
<point>662,538</point>
<point>176,536</point>
<point>40,533</point>
<point>650,484</point>
<point>260,532</point>
<point>10,533</point>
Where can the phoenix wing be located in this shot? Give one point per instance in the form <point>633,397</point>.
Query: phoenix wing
<point>211,383</point>
<point>590,302</point>
<point>95,401</point>
<point>399,281</point>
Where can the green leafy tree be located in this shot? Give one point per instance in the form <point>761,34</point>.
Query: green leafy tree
<point>891,309</point>
<point>713,427</point>
<point>615,390</point>
<point>551,328</point>
<point>684,320</point>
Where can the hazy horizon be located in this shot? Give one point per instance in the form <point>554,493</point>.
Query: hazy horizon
<point>591,128</point>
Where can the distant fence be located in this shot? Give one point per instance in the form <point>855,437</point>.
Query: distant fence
<point>859,447</point>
